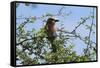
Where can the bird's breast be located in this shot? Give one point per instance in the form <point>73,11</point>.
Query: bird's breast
<point>52,29</point>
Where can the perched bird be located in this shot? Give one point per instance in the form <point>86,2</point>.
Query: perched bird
<point>51,31</point>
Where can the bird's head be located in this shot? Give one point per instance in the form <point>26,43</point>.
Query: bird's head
<point>52,20</point>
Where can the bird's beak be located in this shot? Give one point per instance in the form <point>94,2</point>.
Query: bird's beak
<point>56,20</point>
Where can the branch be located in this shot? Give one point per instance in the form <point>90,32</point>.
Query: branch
<point>58,14</point>
<point>23,24</point>
<point>89,40</point>
<point>73,34</point>
<point>84,20</point>
<point>24,41</point>
<point>60,11</point>
<point>91,30</point>
<point>33,38</point>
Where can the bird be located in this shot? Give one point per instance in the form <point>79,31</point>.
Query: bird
<point>51,31</point>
